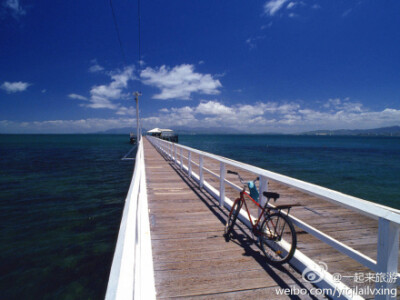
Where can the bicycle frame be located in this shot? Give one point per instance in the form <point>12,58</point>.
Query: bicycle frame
<point>242,198</point>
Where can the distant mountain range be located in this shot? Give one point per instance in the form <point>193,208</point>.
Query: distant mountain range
<point>209,130</point>
<point>384,131</point>
<point>123,130</point>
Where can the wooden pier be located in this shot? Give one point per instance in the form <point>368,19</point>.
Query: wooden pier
<point>191,257</point>
<point>346,241</point>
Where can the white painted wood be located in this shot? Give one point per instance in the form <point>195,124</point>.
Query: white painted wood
<point>121,280</point>
<point>221,184</point>
<point>263,188</point>
<point>175,157</point>
<point>190,163</point>
<point>132,274</point>
<point>180,151</point>
<point>211,172</point>
<point>347,250</point>
<point>387,256</point>
<point>145,288</point>
<point>201,171</point>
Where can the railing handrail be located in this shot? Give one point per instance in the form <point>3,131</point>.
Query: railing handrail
<point>368,208</point>
<point>131,274</point>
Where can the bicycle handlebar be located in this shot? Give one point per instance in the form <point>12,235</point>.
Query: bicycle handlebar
<point>240,178</point>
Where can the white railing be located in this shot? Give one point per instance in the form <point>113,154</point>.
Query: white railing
<point>388,218</point>
<point>132,275</point>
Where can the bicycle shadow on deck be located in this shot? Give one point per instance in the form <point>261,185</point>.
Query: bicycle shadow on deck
<point>241,236</point>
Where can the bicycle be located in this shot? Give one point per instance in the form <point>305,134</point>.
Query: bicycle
<point>276,234</point>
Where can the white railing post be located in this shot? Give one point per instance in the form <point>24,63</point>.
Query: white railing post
<point>263,188</point>
<point>168,149</point>
<point>201,171</point>
<point>180,153</point>
<point>175,160</point>
<point>221,184</point>
<point>387,257</point>
<point>190,164</point>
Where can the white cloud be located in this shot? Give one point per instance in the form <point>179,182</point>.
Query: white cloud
<point>259,117</point>
<point>251,110</point>
<point>102,96</point>
<point>126,111</point>
<point>272,116</point>
<point>291,5</point>
<point>14,87</point>
<point>95,68</point>
<point>213,108</point>
<point>109,96</point>
<point>65,126</point>
<point>252,41</point>
<point>79,97</point>
<point>273,6</point>
<point>179,82</point>
<point>344,105</point>
<point>15,8</point>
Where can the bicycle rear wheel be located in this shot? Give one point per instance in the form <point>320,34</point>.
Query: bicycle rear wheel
<point>232,217</point>
<point>278,238</point>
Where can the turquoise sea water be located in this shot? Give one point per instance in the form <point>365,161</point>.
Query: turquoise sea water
<point>61,200</point>
<point>61,197</point>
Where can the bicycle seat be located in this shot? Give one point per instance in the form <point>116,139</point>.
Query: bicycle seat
<point>271,195</point>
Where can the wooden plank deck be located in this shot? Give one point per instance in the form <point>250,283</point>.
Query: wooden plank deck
<point>192,259</point>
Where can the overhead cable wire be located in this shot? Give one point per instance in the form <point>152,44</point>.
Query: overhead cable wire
<point>118,35</point>
<point>140,60</point>
<point>139,48</point>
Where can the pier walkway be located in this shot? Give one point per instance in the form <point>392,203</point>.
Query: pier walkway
<point>190,256</point>
<point>171,243</point>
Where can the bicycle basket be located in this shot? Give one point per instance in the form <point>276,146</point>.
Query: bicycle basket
<point>253,190</point>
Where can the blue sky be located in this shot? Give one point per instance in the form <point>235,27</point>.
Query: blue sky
<point>259,66</point>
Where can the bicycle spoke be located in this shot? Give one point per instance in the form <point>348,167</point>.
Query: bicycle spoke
<point>278,240</point>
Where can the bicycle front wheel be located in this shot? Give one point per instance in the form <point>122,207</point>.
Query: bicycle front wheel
<point>278,238</point>
<point>232,217</point>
